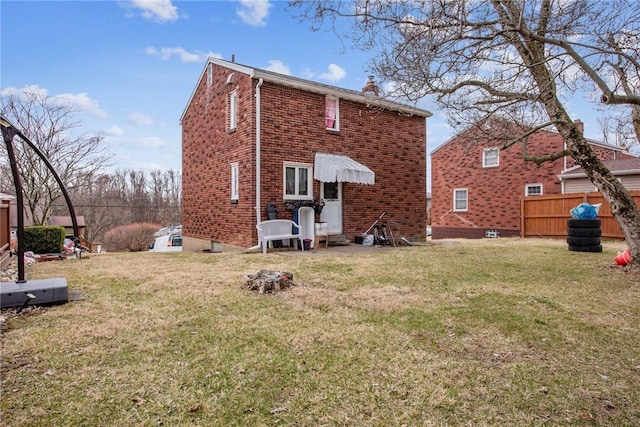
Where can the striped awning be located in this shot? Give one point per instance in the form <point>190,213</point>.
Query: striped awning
<point>338,168</point>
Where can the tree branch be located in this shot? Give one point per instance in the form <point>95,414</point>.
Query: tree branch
<point>538,160</point>
<point>530,132</point>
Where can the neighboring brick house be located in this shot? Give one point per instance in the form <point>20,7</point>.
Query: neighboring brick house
<point>476,188</point>
<point>253,138</point>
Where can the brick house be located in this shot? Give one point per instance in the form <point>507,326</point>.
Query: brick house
<point>253,138</point>
<point>476,187</point>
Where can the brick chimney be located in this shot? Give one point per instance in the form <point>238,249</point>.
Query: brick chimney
<point>579,125</point>
<point>371,87</point>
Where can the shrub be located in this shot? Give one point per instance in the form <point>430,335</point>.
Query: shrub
<point>44,239</point>
<point>131,237</point>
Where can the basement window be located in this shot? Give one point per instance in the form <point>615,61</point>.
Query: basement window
<point>332,113</point>
<point>297,182</point>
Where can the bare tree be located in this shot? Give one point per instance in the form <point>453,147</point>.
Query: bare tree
<point>139,197</point>
<point>627,81</point>
<point>617,131</point>
<point>507,59</point>
<point>50,126</point>
<point>165,189</point>
<point>110,200</point>
<point>102,203</point>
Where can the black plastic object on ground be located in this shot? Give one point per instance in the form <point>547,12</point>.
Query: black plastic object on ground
<point>583,235</point>
<point>272,213</point>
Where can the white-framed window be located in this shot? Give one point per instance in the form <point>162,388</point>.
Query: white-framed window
<point>235,181</point>
<point>490,157</point>
<point>460,199</point>
<point>233,110</point>
<point>533,190</point>
<point>297,181</point>
<point>209,75</point>
<point>332,113</point>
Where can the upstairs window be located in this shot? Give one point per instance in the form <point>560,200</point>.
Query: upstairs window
<point>235,181</point>
<point>297,181</point>
<point>209,75</point>
<point>332,113</point>
<point>460,202</point>
<point>533,190</point>
<point>490,157</point>
<point>233,106</point>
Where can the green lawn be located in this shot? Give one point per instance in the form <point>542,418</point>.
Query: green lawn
<point>493,332</point>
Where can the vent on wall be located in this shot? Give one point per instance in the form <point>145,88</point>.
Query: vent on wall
<point>491,234</point>
<point>230,79</point>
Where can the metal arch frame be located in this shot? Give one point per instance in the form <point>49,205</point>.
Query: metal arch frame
<point>9,131</point>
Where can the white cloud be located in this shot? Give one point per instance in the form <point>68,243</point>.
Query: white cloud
<point>157,10</point>
<point>135,142</point>
<point>80,102</point>
<point>149,142</point>
<point>334,74</point>
<point>114,130</point>
<point>141,119</point>
<point>254,12</point>
<point>278,67</point>
<point>32,89</point>
<point>166,53</point>
<point>133,161</point>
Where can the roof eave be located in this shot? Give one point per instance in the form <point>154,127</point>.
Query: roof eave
<point>212,60</point>
<point>584,175</point>
<point>308,86</point>
<point>340,93</point>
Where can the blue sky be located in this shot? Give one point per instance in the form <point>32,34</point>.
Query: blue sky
<point>130,66</point>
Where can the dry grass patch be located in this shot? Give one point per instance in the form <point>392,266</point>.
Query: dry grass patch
<point>499,332</point>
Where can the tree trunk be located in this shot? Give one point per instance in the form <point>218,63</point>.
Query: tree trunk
<point>623,207</point>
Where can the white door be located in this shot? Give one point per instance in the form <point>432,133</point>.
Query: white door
<point>331,193</point>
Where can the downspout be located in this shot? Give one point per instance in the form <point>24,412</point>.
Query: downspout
<point>258,200</point>
<point>427,175</point>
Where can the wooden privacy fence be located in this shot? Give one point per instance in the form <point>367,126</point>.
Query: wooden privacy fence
<point>546,216</point>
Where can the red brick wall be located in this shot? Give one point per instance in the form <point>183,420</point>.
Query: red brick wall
<point>293,130</point>
<point>393,146</point>
<point>493,193</point>
<point>208,149</point>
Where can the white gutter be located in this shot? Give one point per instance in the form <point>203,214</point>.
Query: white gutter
<point>584,175</point>
<point>307,85</point>
<point>351,95</point>
<point>427,175</point>
<point>258,200</point>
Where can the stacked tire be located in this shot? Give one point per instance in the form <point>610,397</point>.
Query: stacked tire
<point>583,235</point>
